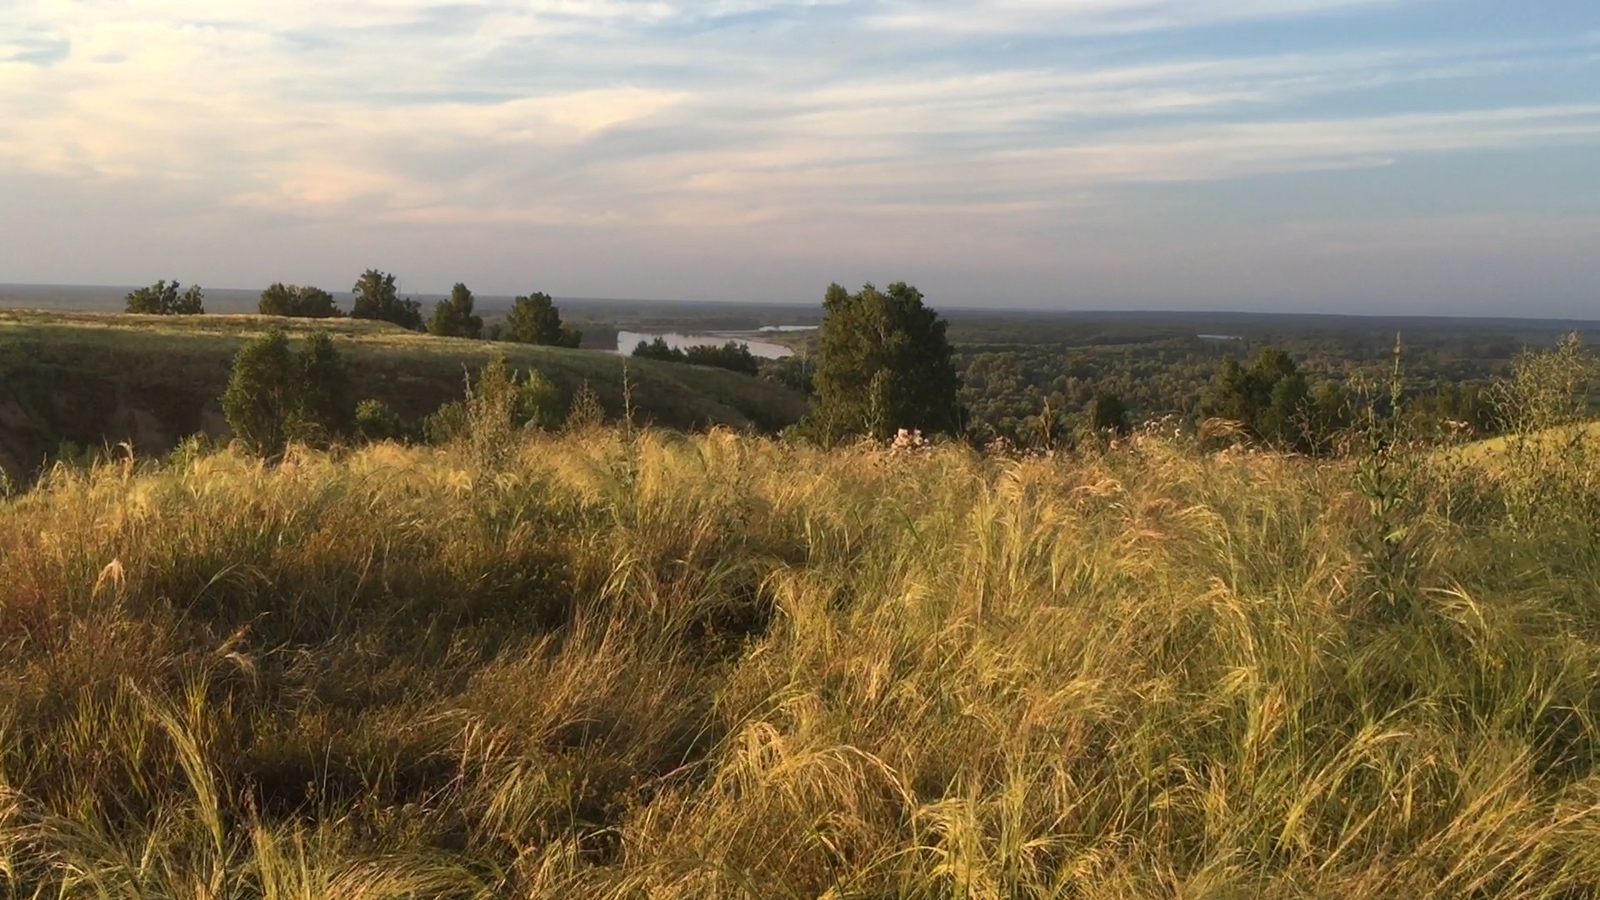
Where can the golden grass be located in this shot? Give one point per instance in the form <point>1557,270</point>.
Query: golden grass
<point>1492,451</point>
<point>720,666</point>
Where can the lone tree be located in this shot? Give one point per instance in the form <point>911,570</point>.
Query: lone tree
<point>884,364</point>
<point>454,317</point>
<point>277,395</point>
<point>534,319</point>
<point>163,299</point>
<point>376,298</point>
<point>294,300</point>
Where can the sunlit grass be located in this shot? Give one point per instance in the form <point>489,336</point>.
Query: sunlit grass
<point>720,666</point>
<point>92,378</point>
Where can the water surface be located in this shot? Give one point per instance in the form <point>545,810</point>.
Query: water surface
<point>628,340</point>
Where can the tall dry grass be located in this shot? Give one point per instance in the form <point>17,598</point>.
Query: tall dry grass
<point>716,666</point>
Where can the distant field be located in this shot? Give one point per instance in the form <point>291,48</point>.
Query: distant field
<point>92,378</point>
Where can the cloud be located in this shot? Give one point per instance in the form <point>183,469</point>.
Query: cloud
<point>733,118</point>
<point>1095,16</point>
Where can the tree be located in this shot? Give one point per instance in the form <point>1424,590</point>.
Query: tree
<point>376,298</point>
<point>1108,414</point>
<point>326,406</point>
<point>884,364</point>
<point>1271,399</point>
<point>661,350</point>
<point>454,317</point>
<point>733,356</point>
<point>260,401</point>
<point>534,319</point>
<point>163,299</point>
<point>294,300</point>
<point>375,421</point>
<point>276,395</point>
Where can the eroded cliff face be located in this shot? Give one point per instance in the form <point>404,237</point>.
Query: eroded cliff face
<point>37,423</point>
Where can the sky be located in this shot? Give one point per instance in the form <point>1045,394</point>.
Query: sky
<point>1348,156</point>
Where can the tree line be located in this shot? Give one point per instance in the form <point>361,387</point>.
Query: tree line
<point>733,356</point>
<point>884,365</point>
<point>534,318</point>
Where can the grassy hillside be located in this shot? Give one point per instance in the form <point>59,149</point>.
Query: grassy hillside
<point>1494,451</point>
<point>717,666</point>
<point>94,379</point>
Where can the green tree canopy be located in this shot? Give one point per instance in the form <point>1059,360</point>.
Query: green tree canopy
<point>277,395</point>
<point>164,299</point>
<point>299,301</point>
<point>733,355</point>
<point>1107,413</point>
<point>534,319</point>
<point>659,349</point>
<point>454,317</point>
<point>1274,402</point>
<point>376,298</point>
<point>884,364</point>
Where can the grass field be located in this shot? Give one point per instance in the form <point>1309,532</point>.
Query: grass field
<point>717,666</point>
<point>96,378</point>
<point>1494,450</point>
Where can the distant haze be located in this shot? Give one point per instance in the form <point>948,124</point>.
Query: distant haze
<point>1338,156</point>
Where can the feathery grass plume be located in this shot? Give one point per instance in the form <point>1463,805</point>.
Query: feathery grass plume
<point>737,667</point>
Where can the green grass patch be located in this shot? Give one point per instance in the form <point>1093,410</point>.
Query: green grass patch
<point>94,379</point>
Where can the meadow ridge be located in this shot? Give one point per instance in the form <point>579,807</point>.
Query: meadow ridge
<point>640,664</point>
<point>98,379</point>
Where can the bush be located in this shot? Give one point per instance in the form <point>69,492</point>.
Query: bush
<point>534,319</point>
<point>498,405</point>
<point>659,349</point>
<point>275,396</point>
<point>304,302</point>
<point>376,297</point>
<point>1108,414</point>
<point>375,421</point>
<point>454,317</point>
<point>733,356</point>
<point>585,411</point>
<point>163,299</point>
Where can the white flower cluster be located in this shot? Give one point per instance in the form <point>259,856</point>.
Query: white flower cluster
<point>909,441</point>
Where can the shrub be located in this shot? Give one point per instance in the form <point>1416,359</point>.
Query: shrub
<point>534,319</point>
<point>375,421</point>
<point>1108,414</point>
<point>498,406</point>
<point>304,302</point>
<point>585,411</point>
<point>733,356</point>
<point>659,349</point>
<point>454,317</point>
<point>164,299</point>
<point>275,395</point>
<point>376,297</point>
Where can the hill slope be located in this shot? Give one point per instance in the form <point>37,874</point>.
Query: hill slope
<point>151,380</point>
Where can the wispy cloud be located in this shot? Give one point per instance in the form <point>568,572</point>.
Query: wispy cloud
<point>1095,16</point>
<point>639,114</point>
